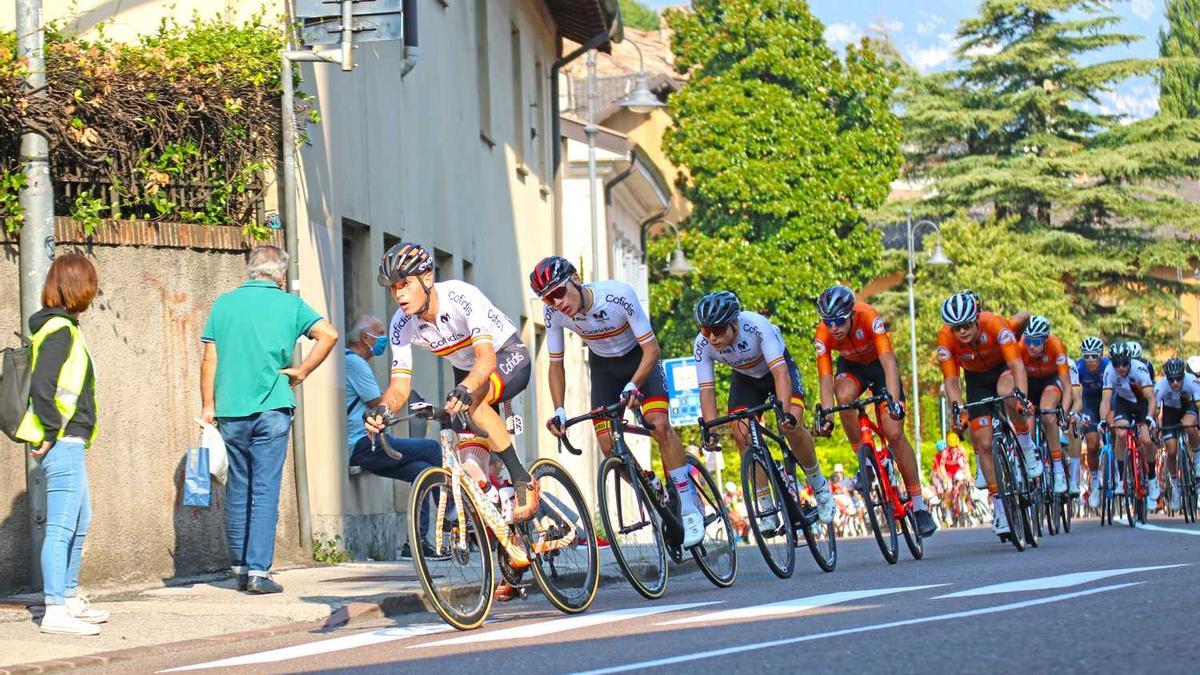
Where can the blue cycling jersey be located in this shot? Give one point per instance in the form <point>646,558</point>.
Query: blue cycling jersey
<point>1092,383</point>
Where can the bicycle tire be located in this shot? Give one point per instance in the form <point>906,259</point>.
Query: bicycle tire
<point>563,509</point>
<point>716,554</point>
<point>1029,500</point>
<point>1006,487</point>
<point>1050,499</point>
<point>912,537</point>
<point>1127,497</point>
<point>651,574</point>
<point>1187,487</point>
<point>871,488</point>
<point>781,559</point>
<point>820,538</point>
<point>1066,512</point>
<point>455,601</point>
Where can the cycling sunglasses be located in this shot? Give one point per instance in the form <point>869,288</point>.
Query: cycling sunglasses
<point>960,327</point>
<point>555,295</point>
<point>1121,363</point>
<point>836,323</point>
<point>1034,342</point>
<point>1091,357</point>
<point>709,332</point>
<point>1175,380</point>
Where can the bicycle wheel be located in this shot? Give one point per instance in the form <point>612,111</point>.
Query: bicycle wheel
<point>561,541</point>
<point>633,529</point>
<point>912,537</point>
<point>821,538</point>
<point>716,555</point>
<point>453,556</point>
<point>1127,500</point>
<point>1107,498</point>
<point>1002,448</point>
<point>879,509</point>
<point>1187,489</point>
<point>766,508</point>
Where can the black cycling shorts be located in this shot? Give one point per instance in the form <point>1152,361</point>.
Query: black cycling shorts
<point>610,374</point>
<point>867,375</point>
<point>1172,417</point>
<point>981,386</point>
<point>747,392</point>
<point>511,376</point>
<point>1091,409</point>
<point>1131,411</point>
<point>1038,385</point>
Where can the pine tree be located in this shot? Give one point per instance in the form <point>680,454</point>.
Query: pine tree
<point>1180,82</point>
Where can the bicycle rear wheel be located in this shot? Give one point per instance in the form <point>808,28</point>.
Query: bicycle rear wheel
<point>1107,498</point>
<point>453,556</point>
<point>879,509</point>
<point>912,537</point>
<point>766,508</point>
<point>820,537</point>
<point>1002,448</point>
<point>1130,495</point>
<point>632,527</point>
<point>561,541</point>
<point>716,555</point>
<point>1187,484</point>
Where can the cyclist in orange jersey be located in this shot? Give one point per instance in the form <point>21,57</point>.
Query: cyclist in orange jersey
<point>865,361</point>
<point>1045,361</point>
<point>983,345</point>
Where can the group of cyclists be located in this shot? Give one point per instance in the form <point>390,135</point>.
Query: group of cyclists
<point>982,354</point>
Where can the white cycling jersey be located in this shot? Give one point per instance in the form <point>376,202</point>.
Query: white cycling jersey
<point>757,347</point>
<point>1189,392</point>
<point>1073,368</point>
<point>465,318</point>
<point>612,326</point>
<point>1128,387</point>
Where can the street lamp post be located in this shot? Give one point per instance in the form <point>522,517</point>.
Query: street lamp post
<point>938,258</point>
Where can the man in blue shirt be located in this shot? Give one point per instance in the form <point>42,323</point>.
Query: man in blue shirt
<point>366,340</point>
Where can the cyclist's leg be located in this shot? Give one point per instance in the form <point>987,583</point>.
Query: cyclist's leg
<point>1021,423</point>
<point>655,406</point>
<point>893,431</point>
<point>848,385</point>
<point>980,386</point>
<point>1050,398</point>
<point>1192,439</point>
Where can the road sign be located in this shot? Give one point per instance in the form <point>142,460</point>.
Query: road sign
<point>683,388</point>
<point>372,21</point>
<point>320,9</point>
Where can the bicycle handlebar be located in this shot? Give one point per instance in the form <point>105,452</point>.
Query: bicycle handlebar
<point>771,403</point>
<point>426,411</point>
<point>989,401</point>
<point>615,414</point>
<point>860,405</point>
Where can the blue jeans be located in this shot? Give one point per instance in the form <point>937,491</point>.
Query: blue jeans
<point>419,454</point>
<point>68,515</point>
<point>257,447</point>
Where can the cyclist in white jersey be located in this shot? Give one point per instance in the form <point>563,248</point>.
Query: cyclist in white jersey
<point>1128,396</point>
<point>1074,441</point>
<point>754,348</point>
<point>623,359</point>
<point>454,320</point>
<point>1177,393</point>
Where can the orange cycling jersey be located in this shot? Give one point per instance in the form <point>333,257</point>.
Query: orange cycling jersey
<point>993,347</point>
<point>1053,361</point>
<point>867,339</point>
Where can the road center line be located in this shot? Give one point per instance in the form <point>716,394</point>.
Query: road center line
<point>1159,528</point>
<point>1048,583</point>
<point>544,628</point>
<point>323,646</point>
<point>851,631</point>
<point>794,606</point>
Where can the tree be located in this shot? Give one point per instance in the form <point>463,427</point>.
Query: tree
<point>784,146</point>
<point>636,15</point>
<point>1016,133</point>
<point>1180,82</point>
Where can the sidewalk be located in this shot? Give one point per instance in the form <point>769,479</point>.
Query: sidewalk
<point>201,613</point>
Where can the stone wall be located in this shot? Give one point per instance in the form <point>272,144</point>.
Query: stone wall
<point>144,334</point>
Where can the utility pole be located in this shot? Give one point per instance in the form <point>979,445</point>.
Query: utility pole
<point>36,239</point>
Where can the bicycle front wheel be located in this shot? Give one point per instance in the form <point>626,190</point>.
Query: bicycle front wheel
<point>820,537</point>
<point>879,509</point>
<point>561,541</point>
<point>632,528</point>
<point>716,554</point>
<point>451,551</point>
<point>1129,476</point>
<point>1006,484</point>
<point>766,508</point>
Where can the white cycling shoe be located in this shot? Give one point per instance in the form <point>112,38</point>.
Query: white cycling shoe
<point>1119,489</point>
<point>1060,483</point>
<point>825,504</point>
<point>999,522</point>
<point>980,481</point>
<point>693,528</point>
<point>1094,495</point>
<point>1152,490</point>
<point>1033,466</point>
<point>1175,500</point>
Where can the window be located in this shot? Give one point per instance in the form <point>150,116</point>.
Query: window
<point>484,74</point>
<point>537,130</point>
<point>518,100</point>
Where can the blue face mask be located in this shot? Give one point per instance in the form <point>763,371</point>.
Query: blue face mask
<point>380,345</point>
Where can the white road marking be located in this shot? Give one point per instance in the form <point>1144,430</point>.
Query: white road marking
<point>544,628</point>
<point>1048,583</point>
<point>794,606</point>
<point>1159,528</point>
<point>850,631</point>
<point>323,646</point>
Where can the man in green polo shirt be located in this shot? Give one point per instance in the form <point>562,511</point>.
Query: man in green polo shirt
<point>246,382</point>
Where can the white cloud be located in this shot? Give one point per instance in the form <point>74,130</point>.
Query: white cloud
<point>1134,103</point>
<point>929,57</point>
<point>1143,9</point>
<point>984,50</point>
<point>837,34</point>
<point>929,23</point>
<point>889,25</point>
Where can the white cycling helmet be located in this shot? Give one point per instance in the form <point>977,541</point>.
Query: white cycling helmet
<point>960,308</point>
<point>1092,346</point>
<point>1038,327</point>
<point>1193,364</point>
<point>1135,349</point>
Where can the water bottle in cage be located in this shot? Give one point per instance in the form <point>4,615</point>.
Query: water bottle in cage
<point>657,487</point>
<point>505,496</point>
<point>789,482</point>
<point>889,467</point>
<point>513,423</point>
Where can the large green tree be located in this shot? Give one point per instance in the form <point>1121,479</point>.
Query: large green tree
<point>636,15</point>
<point>1017,132</point>
<point>1179,47</point>
<point>784,145</point>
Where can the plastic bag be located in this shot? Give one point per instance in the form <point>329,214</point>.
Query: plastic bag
<point>218,460</point>
<point>197,482</point>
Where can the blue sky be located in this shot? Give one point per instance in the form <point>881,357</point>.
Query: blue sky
<point>924,32</point>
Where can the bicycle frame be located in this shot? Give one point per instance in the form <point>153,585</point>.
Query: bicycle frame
<point>880,451</point>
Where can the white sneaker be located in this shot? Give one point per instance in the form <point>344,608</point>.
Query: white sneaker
<point>59,622</point>
<point>1119,489</point>
<point>999,521</point>
<point>825,505</point>
<point>1175,495</point>
<point>1094,494</point>
<point>1033,466</point>
<point>81,609</point>
<point>1152,490</point>
<point>981,482</point>
<point>693,528</point>
<point>1060,483</point>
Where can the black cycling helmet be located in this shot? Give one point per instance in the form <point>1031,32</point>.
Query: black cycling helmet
<point>836,302</point>
<point>717,309</point>
<point>1174,368</point>
<point>1120,354</point>
<point>402,261</point>
<point>552,272</point>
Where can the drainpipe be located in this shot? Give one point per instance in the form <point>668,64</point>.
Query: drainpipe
<point>409,11</point>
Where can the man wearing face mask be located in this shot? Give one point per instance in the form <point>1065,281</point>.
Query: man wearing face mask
<point>366,340</point>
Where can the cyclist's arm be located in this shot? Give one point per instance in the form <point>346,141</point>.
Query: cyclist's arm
<point>783,384</point>
<point>891,373</point>
<point>400,374</point>
<point>1020,377</point>
<point>650,354</point>
<point>644,333</point>
<point>556,346</point>
<point>824,366</point>
<point>953,387</point>
<point>1010,351</point>
<point>1064,376</point>
<point>558,383</point>
<point>1076,399</point>
<point>1148,392</point>
<point>704,376</point>
<point>949,365</point>
<point>708,403</point>
<point>887,355</point>
<point>1106,403</point>
<point>485,364</point>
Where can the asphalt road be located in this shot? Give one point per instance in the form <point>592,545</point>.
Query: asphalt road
<point>1096,600</point>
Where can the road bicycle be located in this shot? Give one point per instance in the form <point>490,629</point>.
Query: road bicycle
<point>1108,473</point>
<point>889,507</point>
<point>1016,492</point>
<point>1052,507</point>
<point>466,532</point>
<point>641,517</point>
<point>775,504</point>
<point>1165,480</point>
<point>1186,466</point>
<point>1134,495</point>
